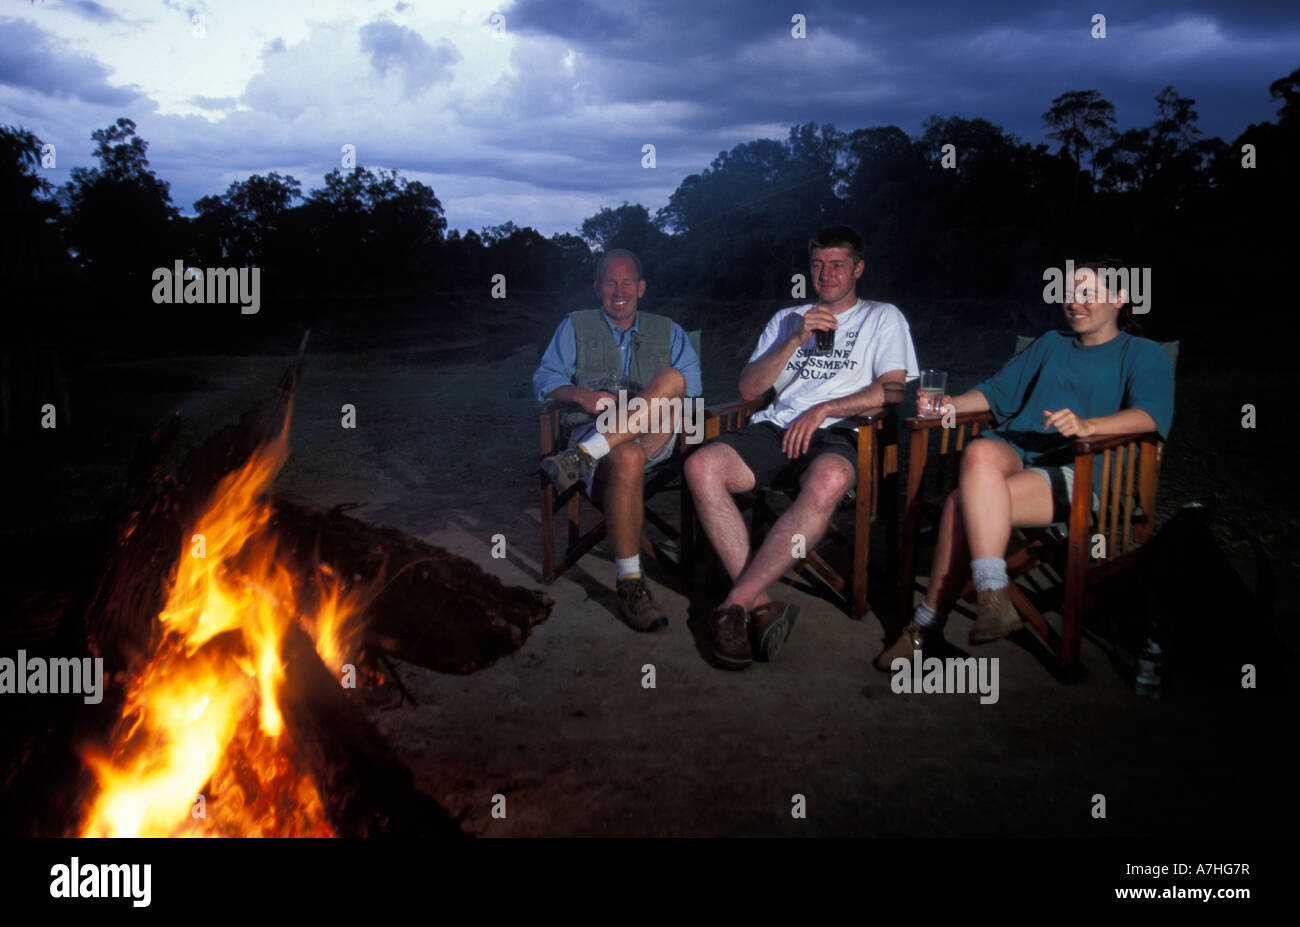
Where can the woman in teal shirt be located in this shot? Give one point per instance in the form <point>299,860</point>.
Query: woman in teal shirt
<point>1094,379</point>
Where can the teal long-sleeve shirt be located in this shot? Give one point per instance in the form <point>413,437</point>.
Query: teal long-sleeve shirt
<point>1058,372</point>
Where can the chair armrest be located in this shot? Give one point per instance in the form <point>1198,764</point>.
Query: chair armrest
<point>962,418</point>
<point>1095,444</point>
<point>551,406</point>
<point>736,405</point>
<point>873,415</point>
<point>549,422</point>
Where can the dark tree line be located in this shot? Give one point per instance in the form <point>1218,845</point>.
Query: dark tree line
<point>964,209</point>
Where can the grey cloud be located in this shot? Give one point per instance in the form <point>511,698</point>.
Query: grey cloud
<point>32,59</point>
<point>95,12</point>
<point>405,50</point>
<point>89,9</point>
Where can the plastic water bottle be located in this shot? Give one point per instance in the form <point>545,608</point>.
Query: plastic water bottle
<point>1149,665</point>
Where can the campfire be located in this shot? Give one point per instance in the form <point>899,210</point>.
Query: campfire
<point>204,714</point>
<point>237,626</point>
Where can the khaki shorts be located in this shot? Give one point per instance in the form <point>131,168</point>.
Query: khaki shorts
<point>651,461</point>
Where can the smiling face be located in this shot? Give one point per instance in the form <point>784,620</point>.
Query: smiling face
<point>619,290</point>
<point>1092,312</point>
<point>835,277</point>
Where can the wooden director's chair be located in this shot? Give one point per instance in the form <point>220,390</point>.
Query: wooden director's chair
<point>1130,471</point>
<point>665,478</point>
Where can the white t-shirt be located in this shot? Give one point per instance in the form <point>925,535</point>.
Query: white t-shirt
<point>873,338</point>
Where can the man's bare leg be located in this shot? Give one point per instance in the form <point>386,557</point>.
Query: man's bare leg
<point>714,473</point>
<point>620,479</point>
<point>824,483</point>
<point>666,385</point>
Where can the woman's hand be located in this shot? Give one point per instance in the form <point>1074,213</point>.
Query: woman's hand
<point>944,405</point>
<point>1068,424</point>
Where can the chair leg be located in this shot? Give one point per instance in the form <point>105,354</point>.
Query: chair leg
<point>861,554</point>
<point>864,498</point>
<point>575,518</point>
<point>687,545</point>
<point>919,451</point>
<point>548,531</point>
<point>1076,564</point>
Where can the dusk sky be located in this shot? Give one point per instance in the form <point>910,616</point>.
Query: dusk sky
<point>543,121</point>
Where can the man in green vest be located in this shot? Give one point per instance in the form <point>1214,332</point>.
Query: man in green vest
<point>597,359</point>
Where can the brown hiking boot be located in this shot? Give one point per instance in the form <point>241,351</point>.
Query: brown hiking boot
<point>567,467</point>
<point>912,638</point>
<point>637,607</point>
<point>730,627</point>
<point>770,625</point>
<point>995,617</point>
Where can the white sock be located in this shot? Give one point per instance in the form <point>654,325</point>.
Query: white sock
<point>989,573</point>
<point>596,446</point>
<point>925,617</point>
<point>628,565</point>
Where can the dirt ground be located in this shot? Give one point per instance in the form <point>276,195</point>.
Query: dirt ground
<point>564,729</point>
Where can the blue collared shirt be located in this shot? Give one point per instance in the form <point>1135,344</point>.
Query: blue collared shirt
<point>560,361</point>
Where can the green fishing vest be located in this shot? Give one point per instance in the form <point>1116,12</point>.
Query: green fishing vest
<point>599,363</point>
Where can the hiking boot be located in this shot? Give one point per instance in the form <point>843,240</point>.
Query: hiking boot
<point>637,607</point>
<point>912,638</point>
<point>567,467</point>
<point>730,627</point>
<point>770,625</point>
<point>995,617</point>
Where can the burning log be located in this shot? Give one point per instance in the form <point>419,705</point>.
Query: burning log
<point>437,609</point>
<point>366,789</point>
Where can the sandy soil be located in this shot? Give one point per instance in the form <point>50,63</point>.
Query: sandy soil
<point>564,729</point>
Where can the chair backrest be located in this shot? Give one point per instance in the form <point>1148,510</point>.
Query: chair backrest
<point>1169,347</point>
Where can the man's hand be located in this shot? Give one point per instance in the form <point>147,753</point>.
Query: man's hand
<point>795,441</point>
<point>1068,424</point>
<point>593,401</point>
<point>819,318</point>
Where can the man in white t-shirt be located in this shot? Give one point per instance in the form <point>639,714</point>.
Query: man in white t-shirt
<point>801,436</point>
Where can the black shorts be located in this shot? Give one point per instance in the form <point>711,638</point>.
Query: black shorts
<point>759,446</point>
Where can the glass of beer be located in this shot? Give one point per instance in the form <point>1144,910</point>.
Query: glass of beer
<point>825,341</point>
<point>930,394</point>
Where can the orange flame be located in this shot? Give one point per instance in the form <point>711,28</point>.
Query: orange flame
<point>198,750</point>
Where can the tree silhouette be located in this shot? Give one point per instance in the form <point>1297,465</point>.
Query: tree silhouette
<point>241,226</point>
<point>121,194</point>
<point>625,227</point>
<point>29,242</point>
<point>1081,120</point>
<point>1287,89</point>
